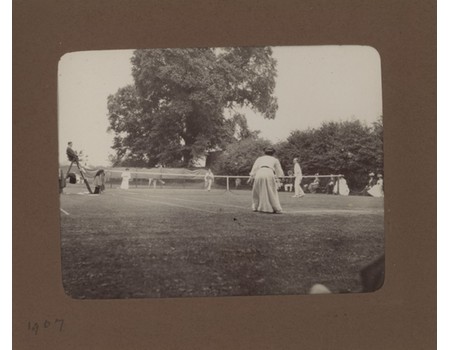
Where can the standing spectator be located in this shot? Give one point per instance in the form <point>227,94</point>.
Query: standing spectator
<point>126,175</point>
<point>298,192</point>
<point>99,181</point>
<point>264,174</point>
<point>209,178</point>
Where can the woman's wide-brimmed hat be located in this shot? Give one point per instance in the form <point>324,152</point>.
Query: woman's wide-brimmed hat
<point>371,174</point>
<point>269,149</point>
<point>379,175</point>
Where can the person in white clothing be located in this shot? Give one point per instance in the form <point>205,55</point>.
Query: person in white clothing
<point>126,175</point>
<point>378,189</point>
<point>264,174</point>
<point>341,187</point>
<point>298,192</point>
<point>209,178</point>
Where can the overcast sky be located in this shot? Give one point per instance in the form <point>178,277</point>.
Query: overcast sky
<point>314,84</point>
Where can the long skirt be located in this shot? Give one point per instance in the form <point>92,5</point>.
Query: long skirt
<point>340,187</point>
<point>124,185</point>
<point>376,191</point>
<point>264,193</point>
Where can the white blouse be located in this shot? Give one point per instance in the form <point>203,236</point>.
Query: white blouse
<point>270,162</point>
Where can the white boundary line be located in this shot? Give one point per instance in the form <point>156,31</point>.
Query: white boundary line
<point>306,211</point>
<point>168,204</point>
<point>334,211</point>
<point>194,201</point>
<point>65,212</point>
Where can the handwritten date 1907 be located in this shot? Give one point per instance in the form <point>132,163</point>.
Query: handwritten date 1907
<point>35,327</point>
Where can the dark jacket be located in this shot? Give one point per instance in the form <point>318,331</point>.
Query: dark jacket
<point>71,154</point>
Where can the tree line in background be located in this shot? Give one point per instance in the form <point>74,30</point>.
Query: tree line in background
<point>187,103</point>
<point>349,148</point>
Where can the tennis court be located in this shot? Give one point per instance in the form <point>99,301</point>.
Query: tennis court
<point>165,242</point>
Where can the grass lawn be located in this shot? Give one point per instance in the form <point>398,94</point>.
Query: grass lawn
<point>145,243</point>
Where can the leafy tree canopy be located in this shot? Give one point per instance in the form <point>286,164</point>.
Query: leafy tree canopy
<point>239,156</point>
<point>185,102</point>
<point>348,148</point>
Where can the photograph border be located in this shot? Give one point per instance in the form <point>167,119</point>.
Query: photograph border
<point>402,314</point>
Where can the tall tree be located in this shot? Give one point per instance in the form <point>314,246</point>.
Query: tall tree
<point>187,101</point>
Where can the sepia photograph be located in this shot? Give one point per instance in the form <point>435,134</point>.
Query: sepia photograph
<point>220,172</point>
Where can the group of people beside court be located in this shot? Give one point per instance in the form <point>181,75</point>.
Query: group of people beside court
<point>267,170</point>
<point>126,177</point>
<point>265,178</point>
<point>99,177</point>
<point>374,188</point>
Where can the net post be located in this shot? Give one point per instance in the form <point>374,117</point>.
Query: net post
<point>228,184</point>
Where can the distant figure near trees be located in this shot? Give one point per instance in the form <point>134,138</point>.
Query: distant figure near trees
<point>341,187</point>
<point>372,182</point>
<point>378,189</point>
<point>313,186</point>
<point>126,175</point>
<point>288,183</point>
<point>99,181</point>
<point>298,179</point>
<point>330,185</point>
<point>159,178</point>
<point>209,178</point>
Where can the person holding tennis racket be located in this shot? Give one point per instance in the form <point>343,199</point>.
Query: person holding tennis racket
<point>264,174</point>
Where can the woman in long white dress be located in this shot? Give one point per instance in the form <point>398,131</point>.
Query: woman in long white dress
<point>209,178</point>
<point>377,190</point>
<point>264,174</point>
<point>126,175</point>
<point>341,187</point>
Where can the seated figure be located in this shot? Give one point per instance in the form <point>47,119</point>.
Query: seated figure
<point>377,190</point>
<point>288,182</point>
<point>313,186</point>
